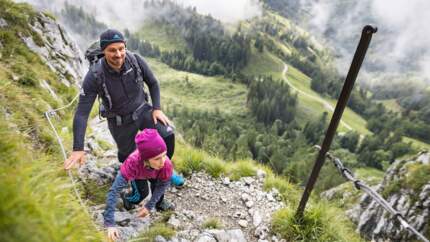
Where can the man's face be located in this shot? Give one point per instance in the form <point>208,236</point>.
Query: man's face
<point>115,54</point>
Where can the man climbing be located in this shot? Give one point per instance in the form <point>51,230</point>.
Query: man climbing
<point>117,78</point>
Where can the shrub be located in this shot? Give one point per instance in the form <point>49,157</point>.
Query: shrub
<point>154,230</point>
<point>242,168</point>
<point>212,223</point>
<point>320,222</point>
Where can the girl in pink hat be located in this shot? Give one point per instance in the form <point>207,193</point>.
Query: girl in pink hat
<point>148,163</point>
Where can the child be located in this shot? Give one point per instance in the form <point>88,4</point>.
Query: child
<point>148,162</point>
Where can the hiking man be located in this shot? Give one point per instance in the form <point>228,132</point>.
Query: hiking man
<point>117,78</point>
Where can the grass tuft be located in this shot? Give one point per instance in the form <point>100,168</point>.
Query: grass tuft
<point>212,223</point>
<point>154,230</point>
<point>321,222</point>
<point>242,168</point>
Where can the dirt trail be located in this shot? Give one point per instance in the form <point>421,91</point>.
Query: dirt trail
<point>326,105</point>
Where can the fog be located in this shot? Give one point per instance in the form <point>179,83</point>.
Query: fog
<point>402,43</point>
<point>130,13</point>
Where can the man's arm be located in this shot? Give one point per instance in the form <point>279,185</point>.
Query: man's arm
<point>86,101</point>
<point>151,82</point>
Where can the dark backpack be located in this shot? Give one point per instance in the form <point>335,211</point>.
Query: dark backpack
<point>94,55</point>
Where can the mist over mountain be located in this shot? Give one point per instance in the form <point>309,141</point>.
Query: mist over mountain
<point>130,13</point>
<point>400,46</point>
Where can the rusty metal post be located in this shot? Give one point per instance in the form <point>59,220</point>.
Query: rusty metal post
<point>359,55</point>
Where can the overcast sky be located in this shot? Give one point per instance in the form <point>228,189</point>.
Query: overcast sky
<point>403,37</point>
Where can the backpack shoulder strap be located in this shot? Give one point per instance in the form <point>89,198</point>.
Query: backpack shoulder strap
<point>137,68</point>
<point>99,77</point>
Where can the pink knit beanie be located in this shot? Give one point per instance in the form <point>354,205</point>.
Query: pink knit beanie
<point>149,143</point>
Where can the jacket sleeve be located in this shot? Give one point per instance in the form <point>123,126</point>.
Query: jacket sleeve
<point>109,213</point>
<point>160,188</point>
<point>86,100</point>
<point>151,82</point>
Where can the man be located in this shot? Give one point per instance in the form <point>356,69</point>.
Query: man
<point>114,79</point>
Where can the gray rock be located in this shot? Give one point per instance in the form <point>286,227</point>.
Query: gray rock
<point>261,174</point>
<point>374,223</point>
<point>206,238</point>
<point>243,223</point>
<point>174,222</point>
<point>245,197</point>
<point>261,232</point>
<point>256,218</point>
<point>160,238</point>
<point>123,218</point>
<point>248,180</point>
<point>3,23</point>
<point>58,51</point>
<point>228,235</point>
<point>249,204</point>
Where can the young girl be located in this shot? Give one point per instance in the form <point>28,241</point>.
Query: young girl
<point>148,162</point>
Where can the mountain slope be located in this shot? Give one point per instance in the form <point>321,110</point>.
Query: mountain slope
<point>37,201</point>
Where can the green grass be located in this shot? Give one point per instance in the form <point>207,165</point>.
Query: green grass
<point>212,223</point>
<point>165,36</point>
<point>290,192</point>
<point>263,64</point>
<point>369,174</point>
<point>198,92</point>
<point>418,176</point>
<point>242,168</point>
<point>214,166</point>
<point>392,105</point>
<point>312,103</point>
<point>37,199</point>
<point>38,202</point>
<point>321,222</point>
<point>417,144</point>
<point>153,231</point>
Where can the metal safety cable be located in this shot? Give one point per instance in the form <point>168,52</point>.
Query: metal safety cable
<point>48,114</point>
<point>360,185</point>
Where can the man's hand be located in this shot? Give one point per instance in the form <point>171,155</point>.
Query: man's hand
<point>76,156</point>
<point>143,212</point>
<point>159,115</point>
<point>113,233</point>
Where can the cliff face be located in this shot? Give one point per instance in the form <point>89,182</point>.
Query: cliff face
<point>406,186</point>
<point>55,47</point>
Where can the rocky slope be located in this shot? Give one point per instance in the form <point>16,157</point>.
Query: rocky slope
<point>241,209</point>
<point>56,48</point>
<point>406,186</point>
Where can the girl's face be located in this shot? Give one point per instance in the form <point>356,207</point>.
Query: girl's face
<point>157,162</point>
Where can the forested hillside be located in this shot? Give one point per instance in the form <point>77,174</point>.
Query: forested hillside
<point>255,95</point>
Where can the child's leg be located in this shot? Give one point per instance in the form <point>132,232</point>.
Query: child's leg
<point>139,191</point>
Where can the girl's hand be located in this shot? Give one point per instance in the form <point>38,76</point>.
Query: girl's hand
<point>143,212</point>
<point>113,233</point>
